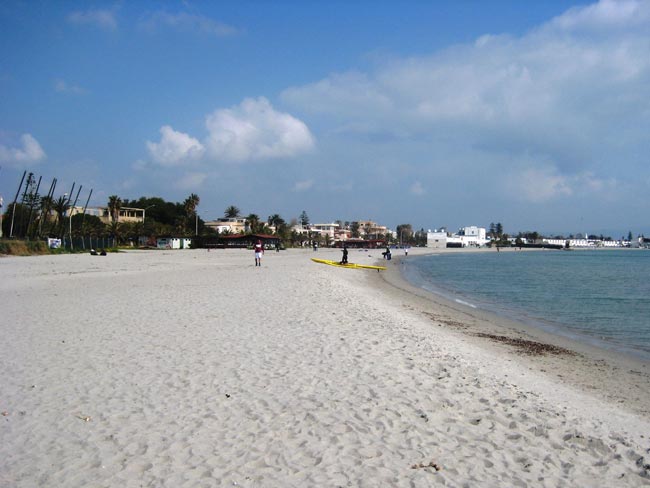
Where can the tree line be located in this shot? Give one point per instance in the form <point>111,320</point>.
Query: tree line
<point>36,214</point>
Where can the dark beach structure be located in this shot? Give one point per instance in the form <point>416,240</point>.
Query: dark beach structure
<point>236,241</point>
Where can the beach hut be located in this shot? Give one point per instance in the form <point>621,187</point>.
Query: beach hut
<point>173,242</point>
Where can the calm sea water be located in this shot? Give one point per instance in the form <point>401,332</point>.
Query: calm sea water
<point>601,296</point>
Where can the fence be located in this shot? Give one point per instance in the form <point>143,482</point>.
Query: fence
<point>87,243</point>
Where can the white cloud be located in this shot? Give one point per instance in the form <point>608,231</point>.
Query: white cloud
<point>254,130</point>
<point>571,91</point>
<point>188,23</point>
<point>175,148</point>
<point>303,185</point>
<point>604,14</point>
<point>105,19</point>
<point>341,93</point>
<point>539,185</point>
<point>544,183</point>
<point>30,151</point>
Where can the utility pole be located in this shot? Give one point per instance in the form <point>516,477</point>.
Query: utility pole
<point>71,210</point>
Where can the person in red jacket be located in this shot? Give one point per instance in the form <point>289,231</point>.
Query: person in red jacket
<point>259,250</point>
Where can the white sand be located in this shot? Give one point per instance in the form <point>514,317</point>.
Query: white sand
<point>198,369</point>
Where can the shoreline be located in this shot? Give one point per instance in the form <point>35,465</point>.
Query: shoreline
<point>543,325</point>
<point>612,375</point>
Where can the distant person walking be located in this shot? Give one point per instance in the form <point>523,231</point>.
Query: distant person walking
<point>259,251</point>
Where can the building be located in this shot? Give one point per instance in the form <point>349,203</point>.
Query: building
<point>437,239</point>
<point>471,236</point>
<point>235,225</point>
<point>173,243</point>
<point>335,233</point>
<point>587,243</point>
<point>125,214</point>
<point>370,229</point>
<point>326,229</point>
<point>320,230</point>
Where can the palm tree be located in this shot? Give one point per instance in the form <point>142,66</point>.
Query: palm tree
<point>253,221</point>
<point>61,206</point>
<point>114,229</point>
<point>232,212</point>
<point>190,205</point>
<point>114,205</point>
<point>47,205</point>
<point>275,221</point>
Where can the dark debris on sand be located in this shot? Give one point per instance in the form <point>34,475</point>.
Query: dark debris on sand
<point>451,323</point>
<point>525,346</point>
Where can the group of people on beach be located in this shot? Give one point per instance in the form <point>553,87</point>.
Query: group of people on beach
<point>259,252</point>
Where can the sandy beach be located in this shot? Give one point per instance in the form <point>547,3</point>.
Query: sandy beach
<point>197,369</point>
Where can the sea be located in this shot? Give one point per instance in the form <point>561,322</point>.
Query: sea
<point>599,297</point>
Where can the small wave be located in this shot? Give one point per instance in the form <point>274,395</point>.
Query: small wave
<point>463,302</point>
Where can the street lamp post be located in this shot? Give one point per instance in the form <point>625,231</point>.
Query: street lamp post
<point>1,206</point>
<point>144,213</point>
<point>65,195</point>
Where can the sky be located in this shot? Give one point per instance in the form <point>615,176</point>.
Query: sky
<point>433,113</point>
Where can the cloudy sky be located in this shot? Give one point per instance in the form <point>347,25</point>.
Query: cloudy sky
<point>532,114</point>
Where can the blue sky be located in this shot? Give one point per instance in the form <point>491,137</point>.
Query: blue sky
<point>532,114</point>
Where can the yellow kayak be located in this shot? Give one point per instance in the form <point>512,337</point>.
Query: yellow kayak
<point>348,265</point>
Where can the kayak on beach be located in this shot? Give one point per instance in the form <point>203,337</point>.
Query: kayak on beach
<point>347,265</point>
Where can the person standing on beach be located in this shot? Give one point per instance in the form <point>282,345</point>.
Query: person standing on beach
<point>345,255</point>
<point>386,254</point>
<point>259,250</point>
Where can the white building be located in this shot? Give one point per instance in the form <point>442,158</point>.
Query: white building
<point>472,236</point>
<point>587,243</point>
<point>231,225</point>
<point>466,236</point>
<point>173,242</point>
<point>325,229</point>
<point>437,239</point>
